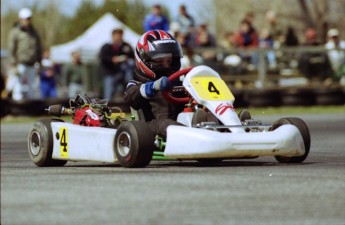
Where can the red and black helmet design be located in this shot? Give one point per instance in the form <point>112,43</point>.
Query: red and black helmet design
<point>150,45</point>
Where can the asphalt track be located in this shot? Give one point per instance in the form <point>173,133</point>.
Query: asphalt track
<point>257,191</point>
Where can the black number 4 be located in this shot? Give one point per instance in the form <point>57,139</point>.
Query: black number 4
<point>212,88</point>
<point>63,142</point>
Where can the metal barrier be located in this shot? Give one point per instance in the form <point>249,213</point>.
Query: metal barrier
<point>261,75</point>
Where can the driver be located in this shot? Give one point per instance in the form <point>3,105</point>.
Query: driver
<point>157,55</point>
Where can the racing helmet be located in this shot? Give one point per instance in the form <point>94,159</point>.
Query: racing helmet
<point>153,45</point>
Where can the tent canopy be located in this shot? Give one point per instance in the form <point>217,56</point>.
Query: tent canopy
<point>90,42</point>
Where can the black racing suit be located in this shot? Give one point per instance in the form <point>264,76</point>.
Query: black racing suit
<point>158,112</point>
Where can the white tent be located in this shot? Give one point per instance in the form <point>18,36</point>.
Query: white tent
<point>91,41</point>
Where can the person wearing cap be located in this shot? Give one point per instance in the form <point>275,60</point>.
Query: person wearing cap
<point>336,47</point>
<point>48,78</point>
<point>25,51</point>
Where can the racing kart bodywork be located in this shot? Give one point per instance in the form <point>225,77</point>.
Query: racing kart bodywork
<point>213,130</point>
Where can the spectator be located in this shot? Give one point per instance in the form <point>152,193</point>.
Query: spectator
<point>190,59</point>
<point>229,41</point>
<point>291,38</point>
<point>336,49</point>
<point>155,20</point>
<point>117,63</point>
<point>203,38</point>
<point>186,23</point>
<point>266,41</point>
<point>73,75</point>
<point>247,38</point>
<point>48,79</point>
<point>314,65</point>
<point>181,38</point>
<point>25,52</point>
<point>249,18</point>
<point>276,30</point>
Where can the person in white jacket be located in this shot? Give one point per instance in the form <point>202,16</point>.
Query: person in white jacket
<point>336,49</point>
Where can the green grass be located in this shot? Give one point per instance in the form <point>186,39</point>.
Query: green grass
<point>253,111</point>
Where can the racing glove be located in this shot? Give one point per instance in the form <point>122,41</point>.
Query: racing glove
<point>149,89</point>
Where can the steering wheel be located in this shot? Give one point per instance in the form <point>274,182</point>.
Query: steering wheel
<point>167,94</point>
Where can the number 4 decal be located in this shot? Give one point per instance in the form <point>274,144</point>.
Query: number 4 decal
<point>63,142</point>
<point>212,88</point>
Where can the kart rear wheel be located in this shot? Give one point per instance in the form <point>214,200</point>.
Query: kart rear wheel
<point>40,144</point>
<point>134,144</point>
<point>302,127</point>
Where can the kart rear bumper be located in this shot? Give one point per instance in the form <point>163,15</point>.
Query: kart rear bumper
<point>190,143</point>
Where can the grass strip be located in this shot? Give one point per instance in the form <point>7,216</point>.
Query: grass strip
<point>254,111</point>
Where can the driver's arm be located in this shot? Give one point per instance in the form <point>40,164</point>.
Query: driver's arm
<point>137,93</point>
<point>133,97</point>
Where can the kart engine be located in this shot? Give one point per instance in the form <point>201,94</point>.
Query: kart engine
<point>87,117</point>
<point>88,112</point>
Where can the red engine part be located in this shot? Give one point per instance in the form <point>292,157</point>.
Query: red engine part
<point>87,117</point>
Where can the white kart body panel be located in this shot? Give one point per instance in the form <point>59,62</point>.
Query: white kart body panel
<point>185,118</point>
<point>191,143</point>
<point>83,143</point>
<point>227,117</point>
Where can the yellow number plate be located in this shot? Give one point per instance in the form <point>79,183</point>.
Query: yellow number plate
<point>63,134</point>
<point>212,88</point>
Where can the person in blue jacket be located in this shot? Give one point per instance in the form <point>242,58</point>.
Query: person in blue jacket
<point>48,79</point>
<point>156,20</point>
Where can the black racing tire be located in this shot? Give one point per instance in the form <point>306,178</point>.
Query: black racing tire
<point>263,97</point>
<point>244,115</point>
<point>303,128</point>
<point>297,96</point>
<point>134,144</point>
<point>239,95</point>
<point>40,144</point>
<point>201,115</point>
<point>4,107</point>
<point>329,96</point>
<point>27,108</point>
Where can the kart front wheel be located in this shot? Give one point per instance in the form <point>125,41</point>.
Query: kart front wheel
<point>134,144</point>
<point>302,127</point>
<point>40,144</point>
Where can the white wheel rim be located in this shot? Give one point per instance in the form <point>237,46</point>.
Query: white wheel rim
<point>35,142</point>
<point>124,144</point>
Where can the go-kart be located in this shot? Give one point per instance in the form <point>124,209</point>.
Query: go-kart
<point>212,130</point>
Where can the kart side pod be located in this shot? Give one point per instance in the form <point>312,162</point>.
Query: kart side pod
<point>191,143</point>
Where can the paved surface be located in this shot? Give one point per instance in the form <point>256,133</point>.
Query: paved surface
<point>258,191</point>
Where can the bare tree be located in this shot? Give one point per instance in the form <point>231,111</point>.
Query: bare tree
<point>300,14</point>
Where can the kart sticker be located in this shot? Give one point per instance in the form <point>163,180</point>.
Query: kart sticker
<point>63,134</point>
<point>223,107</point>
<point>212,88</point>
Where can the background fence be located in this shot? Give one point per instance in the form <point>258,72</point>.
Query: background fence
<point>301,76</point>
